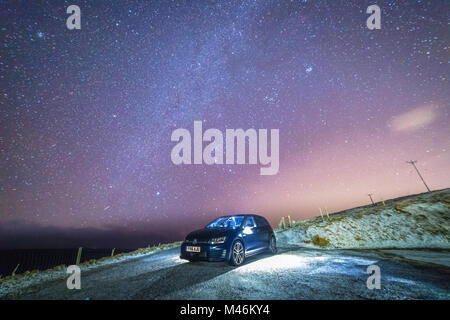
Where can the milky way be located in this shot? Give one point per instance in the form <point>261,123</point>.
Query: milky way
<point>87,115</point>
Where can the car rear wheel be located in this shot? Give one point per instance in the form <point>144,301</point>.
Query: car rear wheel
<point>273,245</point>
<point>237,254</point>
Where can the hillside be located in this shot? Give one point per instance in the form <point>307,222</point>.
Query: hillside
<point>417,221</point>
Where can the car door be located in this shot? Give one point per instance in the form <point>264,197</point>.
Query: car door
<point>249,234</point>
<point>262,232</point>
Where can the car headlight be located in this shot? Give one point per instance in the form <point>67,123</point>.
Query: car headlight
<point>217,240</point>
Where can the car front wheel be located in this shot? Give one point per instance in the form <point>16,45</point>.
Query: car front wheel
<point>237,254</point>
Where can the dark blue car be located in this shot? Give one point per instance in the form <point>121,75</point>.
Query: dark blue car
<point>230,238</point>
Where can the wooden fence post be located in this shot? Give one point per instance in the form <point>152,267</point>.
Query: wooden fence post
<point>290,221</point>
<point>15,269</point>
<point>112,253</point>
<point>282,225</point>
<point>321,214</point>
<point>79,256</point>
<point>326,210</point>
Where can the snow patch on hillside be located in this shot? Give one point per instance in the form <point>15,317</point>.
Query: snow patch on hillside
<point>420,221</point>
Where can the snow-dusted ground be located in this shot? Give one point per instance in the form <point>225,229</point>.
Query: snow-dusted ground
<point>435,257</point>
<point>10,287</point>
<point>419,221</point>
<point>294,273</point>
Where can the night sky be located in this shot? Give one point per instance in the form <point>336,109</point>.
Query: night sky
<point>86,115</point>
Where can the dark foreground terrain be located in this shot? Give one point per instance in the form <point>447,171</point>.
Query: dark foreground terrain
<point>295,273</point>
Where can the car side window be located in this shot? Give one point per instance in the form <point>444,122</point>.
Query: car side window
<point>259,222</point>
<point>250,222</point>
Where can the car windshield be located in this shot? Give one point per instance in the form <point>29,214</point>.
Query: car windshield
<point>226,222</point>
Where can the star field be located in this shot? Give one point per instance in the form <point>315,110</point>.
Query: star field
<point>86,115</point>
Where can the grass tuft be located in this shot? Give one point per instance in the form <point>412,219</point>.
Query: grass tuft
<point>321,242</point>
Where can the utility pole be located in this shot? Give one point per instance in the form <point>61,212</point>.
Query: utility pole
<point>413,163</point>
<point>370,196</point>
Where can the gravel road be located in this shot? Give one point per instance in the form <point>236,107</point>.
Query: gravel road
<point>294,273</point>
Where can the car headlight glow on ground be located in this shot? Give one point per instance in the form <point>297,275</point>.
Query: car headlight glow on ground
<point>281,262</point>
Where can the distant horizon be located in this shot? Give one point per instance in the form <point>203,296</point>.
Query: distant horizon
<point>104,236</point>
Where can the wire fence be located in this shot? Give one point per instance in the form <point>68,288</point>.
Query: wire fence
<point>42,259</point>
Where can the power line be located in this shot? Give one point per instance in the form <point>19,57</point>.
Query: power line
<point>413,163</point>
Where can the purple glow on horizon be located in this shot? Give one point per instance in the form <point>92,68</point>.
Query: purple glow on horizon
<point>87,115</point>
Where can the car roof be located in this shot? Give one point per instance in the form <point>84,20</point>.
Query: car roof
<point>240,214</point>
